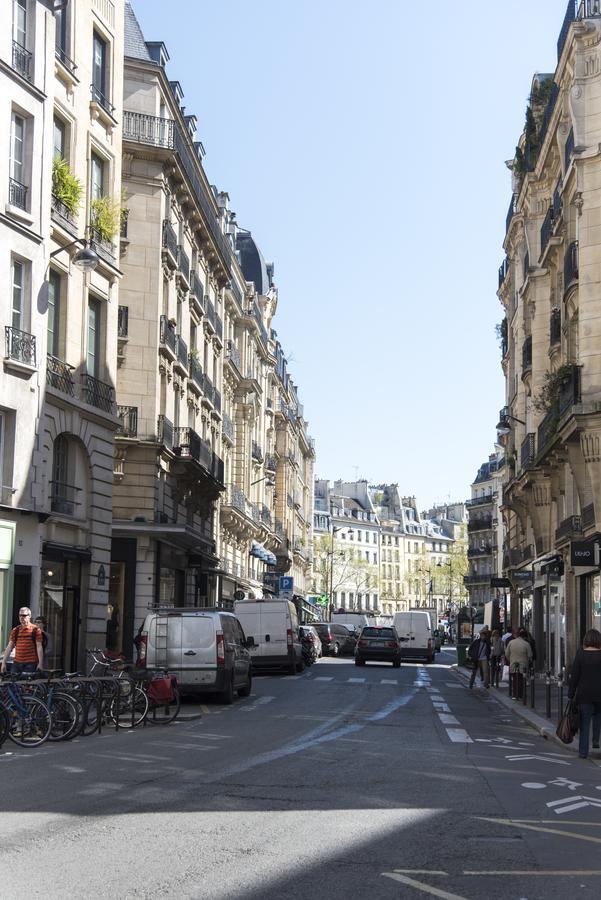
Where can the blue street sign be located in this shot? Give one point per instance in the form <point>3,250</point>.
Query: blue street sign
<point>286,583</point>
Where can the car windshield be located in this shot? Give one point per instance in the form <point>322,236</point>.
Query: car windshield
<point>377,632</point>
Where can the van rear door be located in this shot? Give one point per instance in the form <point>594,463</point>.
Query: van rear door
<point>274,626</point>
<point>164,642</point>
<point>198,649</point>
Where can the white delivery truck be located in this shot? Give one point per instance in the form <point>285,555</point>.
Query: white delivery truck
<point>415,628</point>
<point>354,621</point>
<point>436,636</point>
<point>272,635</point>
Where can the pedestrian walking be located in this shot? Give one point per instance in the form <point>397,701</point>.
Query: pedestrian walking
<point>26,640</point>
<point>479,654</point>
<point>585,688</point>
<point>497,651</point>
<point>518,654</point>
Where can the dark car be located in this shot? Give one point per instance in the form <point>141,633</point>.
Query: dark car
<point>335,639</point>
<point>380,644</point>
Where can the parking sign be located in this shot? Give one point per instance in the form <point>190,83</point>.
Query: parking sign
<point>286,583</point>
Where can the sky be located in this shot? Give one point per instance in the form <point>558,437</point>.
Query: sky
<point>364,145</point>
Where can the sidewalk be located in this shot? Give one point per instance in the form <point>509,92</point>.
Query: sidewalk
<point>545,727</point>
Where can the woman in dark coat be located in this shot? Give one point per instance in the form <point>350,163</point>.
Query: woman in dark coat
<point>585,688</point>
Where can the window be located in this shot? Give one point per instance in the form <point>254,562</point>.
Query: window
<point>17,149</point>
<point>93,357</point>
<point>96,177</point>
<point>20,22</point>
<point>54,298</point>
<point>18,288</point>
<point>359,536</point>
<point>62,498</point>
<point>59,132</point>
<point>99,69</point>
<point>60,18</point>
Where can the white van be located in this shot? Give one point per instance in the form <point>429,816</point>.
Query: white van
<point>271,629</point>
<point>205,648</point>
<point>353,621</point>
<point>415,627</point>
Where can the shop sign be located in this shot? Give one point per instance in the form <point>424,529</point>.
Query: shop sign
<point>521,577</point>
<point>500,582</point>
<point>584,553</point>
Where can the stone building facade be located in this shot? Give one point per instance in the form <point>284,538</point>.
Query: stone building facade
<point>63,72</point>
<point>485,532</point>
<point>549,285</point>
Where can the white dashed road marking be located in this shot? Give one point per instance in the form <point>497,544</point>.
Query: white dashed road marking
<point>447,719</point>
<point>356,681</point>
<point>388,681</point>
<point>325,678</point>
<point>459,736</point>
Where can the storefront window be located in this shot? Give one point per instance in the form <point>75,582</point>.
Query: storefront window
<point>595,602</point>
<point>59,605</point>
<point>167,587</point>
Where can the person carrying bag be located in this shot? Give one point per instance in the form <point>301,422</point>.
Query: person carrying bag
<point>585,688</point>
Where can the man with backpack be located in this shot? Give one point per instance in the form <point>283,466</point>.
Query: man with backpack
<point>478,653</point>
<point>26,640</point>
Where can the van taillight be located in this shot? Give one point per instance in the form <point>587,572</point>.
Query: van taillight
<point>363,643</point>
<point>142,649</point>
<point>289,637</point>
<point>220,650</point>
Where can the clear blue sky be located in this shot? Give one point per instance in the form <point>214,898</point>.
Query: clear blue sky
<point>364,145</point>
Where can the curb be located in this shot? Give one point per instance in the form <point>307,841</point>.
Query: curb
<point>545,728</point>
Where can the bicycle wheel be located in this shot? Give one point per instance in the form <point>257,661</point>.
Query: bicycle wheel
<point>66,715</point>
<point>162,714</point>
<point>29,724</point>
<point>130,710</point>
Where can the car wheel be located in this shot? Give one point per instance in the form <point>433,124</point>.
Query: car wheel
<point>430,659</point>
<point>335,650</point>
<point>396,664</point>
<point>300,665</point>
<point>245,691</point>
<point>227,696</point>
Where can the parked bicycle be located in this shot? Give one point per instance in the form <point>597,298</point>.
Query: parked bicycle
<point>26,718</point>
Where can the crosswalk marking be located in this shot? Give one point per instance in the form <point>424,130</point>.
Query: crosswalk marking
<point>356,680</point>
<point>448,719</point>
<point>325,678</point>
<point>459,736</point>
<point>388,681</point>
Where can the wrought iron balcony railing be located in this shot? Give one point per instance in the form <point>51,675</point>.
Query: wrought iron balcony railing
<point>483,500</point>
<point>123,322</point>
<point>279,529</point>
<point>181,351</point>
<point>271,462</point>
<point>207,388</point>
<point>20,346</point>
<point>235,497</point>
<point>105,249</point>
<point>167,335</point>
<point>22,61</point>
<point>61,213</point>
<point>195,369</point>
<point>232,353</point>
<point>588,516</point>
<point>165,432</point>
<point>257,453</point>
<point>66,61</point>
<point>546,229</point>
<point>569,149</point>
<point>218,326</point>
<point>569,390</point>
<point>571,525</point>
<point>187,443</point>
<point>170,240</point>
<point>527,453</point>
<point>97,393</point>
<point>59,375</point>
<point>63,497</point>
<point>217,399</point>
<point>17,194</point>
<point>183,263</point>
<point>482,523</point>
<point>547,431</point>
<point>128,419</point>
<point>99,98</point>
<point>196,288</point>
<point>228,428</point>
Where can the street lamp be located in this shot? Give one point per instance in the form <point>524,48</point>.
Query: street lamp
<point>269,482</point>
<point>503,426</point>
<point>86,259</point>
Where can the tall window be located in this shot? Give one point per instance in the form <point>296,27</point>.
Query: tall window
<point>62,496</point>
<point>93,358</point>
<point>20,22</point>
<point>59,132</point>
<point>99,67</point>
<point>17,148</point>
<point>60,18</point>
<point>18,286</point>
<point>96,177</point>
<point>54,300</point>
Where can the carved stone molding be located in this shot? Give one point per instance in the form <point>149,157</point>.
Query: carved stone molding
<point>590,444</point>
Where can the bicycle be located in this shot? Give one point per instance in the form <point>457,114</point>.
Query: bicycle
<point>65,708</point>
<point>163,694</point>
<point>128,705</point>
<point>29,719</point>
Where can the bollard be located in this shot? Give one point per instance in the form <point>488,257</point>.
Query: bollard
<point>548,695</point>
<point>533,691</point>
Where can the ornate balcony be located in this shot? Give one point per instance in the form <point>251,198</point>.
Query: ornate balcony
<point>20,346</point>
<point>181,352</point>
<point>105,249</point>
<point>271,462</point>
<point>165,432</point>
<point>228,429</point>
<point>183,265</point>
<point>170,244</point>
<point>195,369</point>
<point>257,453</point>
<point>22,61</point>
<point>59,375</point>
<point>571,525</point>
<point>482,523</point>
<point>485,500</point>
<point>168,336</point>
<point>97,393</point>
<point>546,230</point>
<point>65,60</point>
<point>61,214</point>
<point>233,354</point>
<point>128,418</point>
<point>17,194</point>
<point>150,130</point>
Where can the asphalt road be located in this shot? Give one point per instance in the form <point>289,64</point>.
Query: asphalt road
<point>342,782</point>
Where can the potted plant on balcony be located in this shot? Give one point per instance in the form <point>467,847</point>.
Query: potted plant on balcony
<point>105,218</point>
<point>66,187</point>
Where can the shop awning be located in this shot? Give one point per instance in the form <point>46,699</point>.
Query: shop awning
<point>261,552</point>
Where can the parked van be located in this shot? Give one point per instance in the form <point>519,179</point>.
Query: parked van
<point>205,648</point>
<point>436,632</point>
<point>352,620</point>
<point>271,628</point>
<point>415,627</point>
